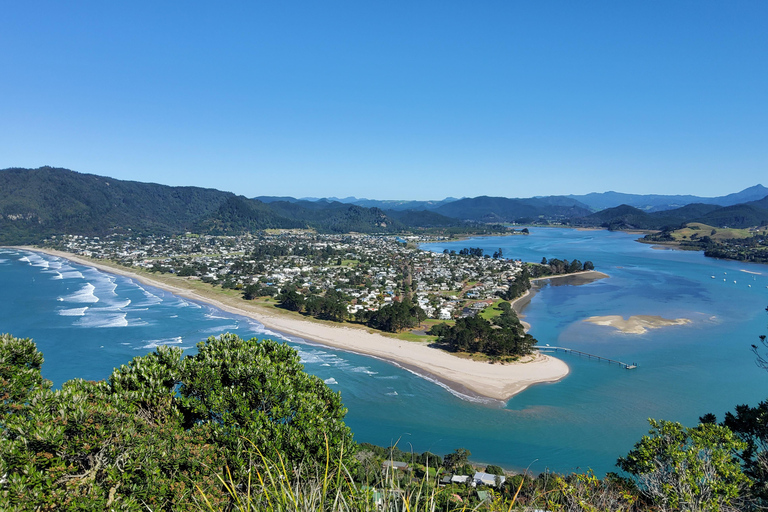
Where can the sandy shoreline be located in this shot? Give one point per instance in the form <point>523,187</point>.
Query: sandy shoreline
<point>464,376</point>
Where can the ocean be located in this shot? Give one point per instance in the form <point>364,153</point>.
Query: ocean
<point>86,322</point>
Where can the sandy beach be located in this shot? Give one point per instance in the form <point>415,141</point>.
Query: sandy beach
<point>497,381</point>
<point>637,324</point>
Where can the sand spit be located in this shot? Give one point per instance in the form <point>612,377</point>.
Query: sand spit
<point>496,381</point>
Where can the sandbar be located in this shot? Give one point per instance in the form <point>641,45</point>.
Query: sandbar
<point>496,381</point>
<point>637,324</point>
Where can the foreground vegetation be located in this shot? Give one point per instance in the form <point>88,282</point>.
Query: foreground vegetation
<point>241,426</point>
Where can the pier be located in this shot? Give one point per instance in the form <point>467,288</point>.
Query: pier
<point>588,355</point>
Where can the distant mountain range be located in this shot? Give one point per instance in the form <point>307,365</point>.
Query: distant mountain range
<point>612,210</point>
<point>594,201</point>
<point>36,203</point>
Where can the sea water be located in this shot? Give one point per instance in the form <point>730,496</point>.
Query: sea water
<point>86,322</point>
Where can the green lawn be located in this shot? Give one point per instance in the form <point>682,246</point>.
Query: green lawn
<point>491,311</point>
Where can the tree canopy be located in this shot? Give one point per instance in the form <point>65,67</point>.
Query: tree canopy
<point>161,425</point>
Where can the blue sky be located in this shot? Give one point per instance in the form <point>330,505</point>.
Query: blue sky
<point>391,100</point>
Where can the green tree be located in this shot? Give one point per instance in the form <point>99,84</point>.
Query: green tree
<point>688,469</point>
<point>456,459</point>
<point>255,393</point>
<point>161,426</point>
<point>104,445</point>
<point>492,469</point>
<point>20,364</point>
<point>291,300</point>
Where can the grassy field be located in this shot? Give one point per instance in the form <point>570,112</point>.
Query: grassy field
<point>491,311</point>
<point>694,230</point>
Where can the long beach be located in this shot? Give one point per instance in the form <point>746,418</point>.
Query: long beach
<point>497,381</point>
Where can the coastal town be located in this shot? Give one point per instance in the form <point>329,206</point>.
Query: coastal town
<point>366,271</point>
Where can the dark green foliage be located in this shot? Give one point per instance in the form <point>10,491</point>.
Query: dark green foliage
<point>291,300</point>
<point>750,424</point>
<point>494,470</point>
<point>35,203</point>
<point>683,468</point>
<point>424,219</point>
<point>162,425</point>
<point>251,391</point>
<point>456,459</point>
<point>38,203</point>
<point>20,377</point>
<point>502,209</point>
<point>520,285</point>
<point>628,217</point>
<point>505,337</point>
<point>397,316</point>
<point>237,215</point>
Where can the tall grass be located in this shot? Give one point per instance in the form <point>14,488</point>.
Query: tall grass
<point>331,488</point>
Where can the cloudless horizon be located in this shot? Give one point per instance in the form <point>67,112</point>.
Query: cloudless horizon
<point>395,100</point>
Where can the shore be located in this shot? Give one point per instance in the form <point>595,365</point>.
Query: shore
<point>575,279</point>
<point>465,376</point>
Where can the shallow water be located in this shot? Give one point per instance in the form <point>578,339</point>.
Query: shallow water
<point>86,322</point>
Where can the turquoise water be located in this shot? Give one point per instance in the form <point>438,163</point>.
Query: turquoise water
<point>86,322</point>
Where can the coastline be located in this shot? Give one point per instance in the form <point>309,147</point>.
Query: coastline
<point>464,376</point>
<point>574,279</point>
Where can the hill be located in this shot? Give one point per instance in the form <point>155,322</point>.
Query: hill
<point>502,209</point>
<point>628,217</point>
<point>656,202</point>
<point>37,203</point>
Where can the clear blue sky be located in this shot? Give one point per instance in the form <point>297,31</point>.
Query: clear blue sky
<point>391,99</point>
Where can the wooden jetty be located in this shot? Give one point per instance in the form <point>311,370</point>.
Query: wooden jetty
<point>588,355</point>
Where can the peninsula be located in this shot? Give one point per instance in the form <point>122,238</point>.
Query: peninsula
<point>466,376</point>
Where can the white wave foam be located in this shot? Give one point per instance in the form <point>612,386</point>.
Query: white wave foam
<point>58,275</point>
<point>151,297</point>
<point>330,381</point>
<point>2,260</point>
<point>73,311</point>
<point>152,344</point>
<point>72,274</point>
<point>84,294</point>
<point>103,320</point>
<point>223,328</point>
<point>363,369</point>
<point>24,258</point>
<point>118,306</point>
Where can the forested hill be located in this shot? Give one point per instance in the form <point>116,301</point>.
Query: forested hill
<point>621,217</point>
<point>36,203</point>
